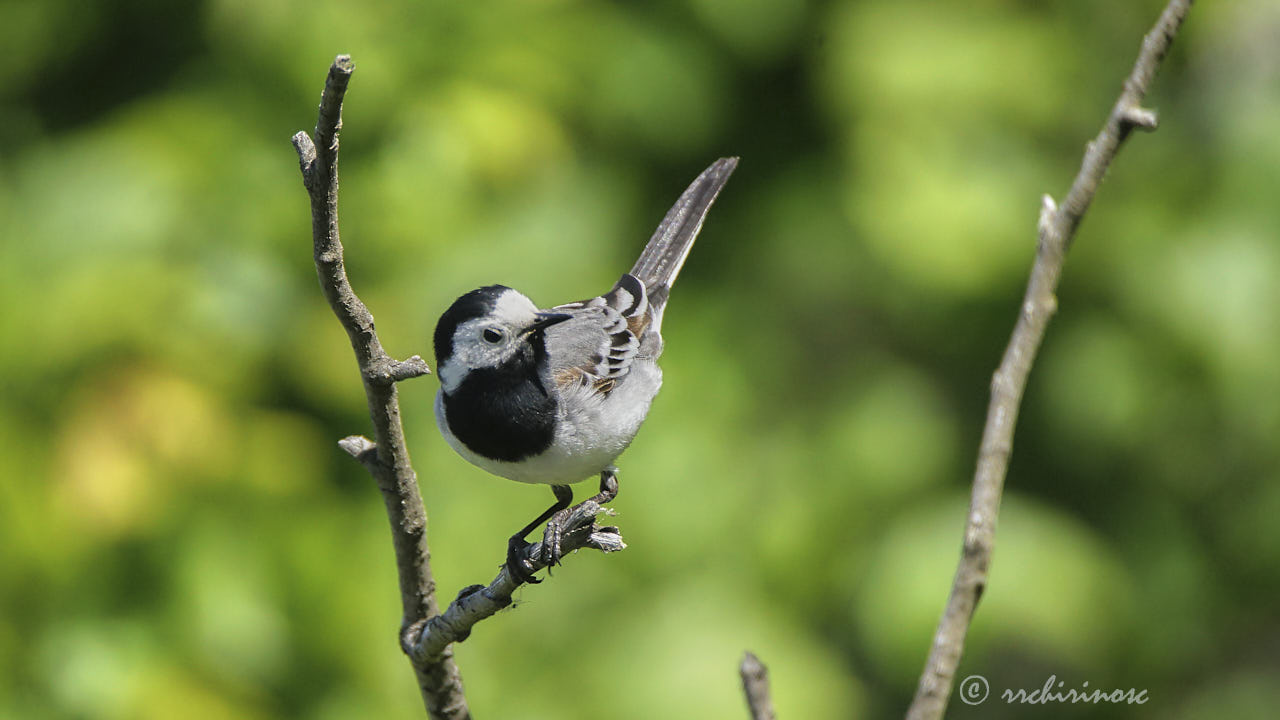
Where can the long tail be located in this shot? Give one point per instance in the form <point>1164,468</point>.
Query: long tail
<point>667,249</point>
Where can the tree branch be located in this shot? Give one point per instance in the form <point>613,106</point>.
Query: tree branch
<point>477,602</point>
<point>425,634</point>
<point>755,685</point>
<point>386,456</point>
<point>1057,228</point>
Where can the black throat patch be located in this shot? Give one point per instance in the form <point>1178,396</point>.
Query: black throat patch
<point>503,413</point>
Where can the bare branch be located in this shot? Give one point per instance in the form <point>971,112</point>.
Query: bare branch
<point>425,633</point>
<point>386,456</point>
<point>755,685</point>
<point>477,602</point>
<point>1057,228</point>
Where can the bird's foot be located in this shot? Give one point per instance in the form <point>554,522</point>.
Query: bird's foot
<point>552,535</point>
<point>559,522</point>
<point>518,565</point>
<point>562,519</point>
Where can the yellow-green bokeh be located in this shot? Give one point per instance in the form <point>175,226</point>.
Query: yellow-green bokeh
<point>181,537</point>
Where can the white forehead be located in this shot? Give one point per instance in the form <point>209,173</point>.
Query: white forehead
<point>513,308</point>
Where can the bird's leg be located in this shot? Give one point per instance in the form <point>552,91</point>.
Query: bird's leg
<point>555,526</point>
<point>608,486</point>
<point>518,568</point>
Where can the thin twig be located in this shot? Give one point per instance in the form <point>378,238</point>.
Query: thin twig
<point>755,685</point>
<point>385,456</point>
<point>1057,228</point>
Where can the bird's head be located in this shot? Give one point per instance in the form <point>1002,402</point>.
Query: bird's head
<point>488,327</point>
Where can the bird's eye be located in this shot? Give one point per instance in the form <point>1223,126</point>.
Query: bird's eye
<point>491,335</point>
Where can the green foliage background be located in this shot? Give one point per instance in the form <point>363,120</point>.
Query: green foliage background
<point>181,537</point>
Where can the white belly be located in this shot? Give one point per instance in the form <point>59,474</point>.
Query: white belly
<point>591,431</point>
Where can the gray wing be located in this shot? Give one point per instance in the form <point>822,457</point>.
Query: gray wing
<point>606,334</point>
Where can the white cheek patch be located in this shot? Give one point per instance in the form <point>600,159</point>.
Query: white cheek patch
<point>451,375</point>
<point>471,352</point>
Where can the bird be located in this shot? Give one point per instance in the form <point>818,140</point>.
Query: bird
<point>553,396</point>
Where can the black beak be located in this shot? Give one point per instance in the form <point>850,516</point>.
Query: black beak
<point>546,320</point>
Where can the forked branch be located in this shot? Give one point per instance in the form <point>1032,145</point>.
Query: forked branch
<point>426,635</point>
<point>1057,227</point>
<point>386,456</point>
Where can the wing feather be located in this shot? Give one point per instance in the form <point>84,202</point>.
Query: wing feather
<point>597,347</point>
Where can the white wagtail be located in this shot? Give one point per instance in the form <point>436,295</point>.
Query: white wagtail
<point>554,396</point>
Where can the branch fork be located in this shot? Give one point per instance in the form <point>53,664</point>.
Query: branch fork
<point>426,634</point>
<point>1056,229</point>
<point>385,371</point>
